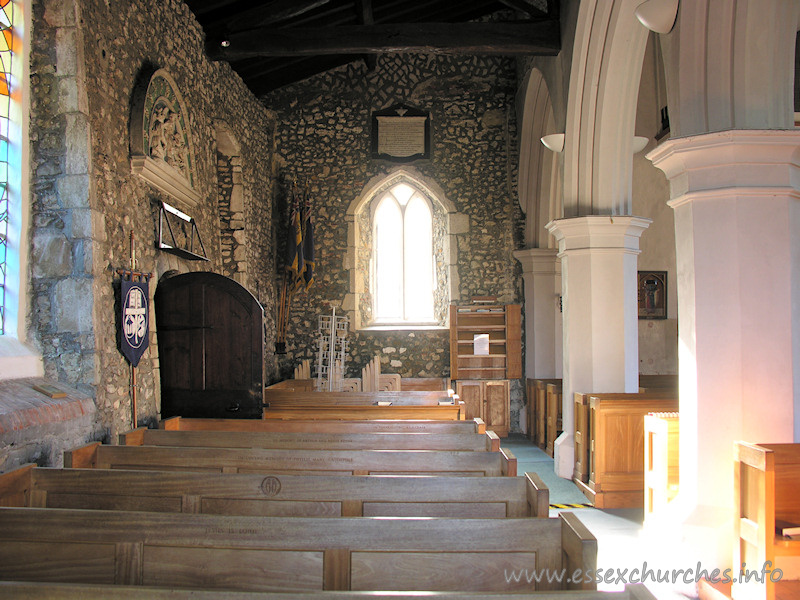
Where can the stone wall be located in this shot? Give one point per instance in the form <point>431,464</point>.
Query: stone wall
<point>87,57</point>
<point>324,139</point>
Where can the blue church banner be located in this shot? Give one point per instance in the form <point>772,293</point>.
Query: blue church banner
<point>135,319</point>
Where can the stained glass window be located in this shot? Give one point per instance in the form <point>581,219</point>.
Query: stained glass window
<point>7,43</point>
<point>403,226</point>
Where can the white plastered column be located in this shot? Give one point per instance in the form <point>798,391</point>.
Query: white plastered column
<point>599,257</point>
<point>736,196</point>
<point>541,273</point>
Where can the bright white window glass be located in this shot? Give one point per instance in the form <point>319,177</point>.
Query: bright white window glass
<point>404,282</point>
<point>389,260</point>
<point>418,226</point>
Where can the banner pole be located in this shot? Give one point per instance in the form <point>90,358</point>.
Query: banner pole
<point>134,410</point>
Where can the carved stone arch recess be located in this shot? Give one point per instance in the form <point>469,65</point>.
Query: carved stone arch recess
<point>160,138</point>
<point>447,224</point>
<point>230,201</point>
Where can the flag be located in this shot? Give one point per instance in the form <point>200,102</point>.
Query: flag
<point>308,247</point>
<point>295,263</point>
<point>135,319</point>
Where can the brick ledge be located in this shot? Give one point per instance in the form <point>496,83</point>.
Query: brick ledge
<point>22,407</point>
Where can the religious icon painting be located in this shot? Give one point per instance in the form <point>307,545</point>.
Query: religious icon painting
<point>652,294</point>
<point>134,319</point>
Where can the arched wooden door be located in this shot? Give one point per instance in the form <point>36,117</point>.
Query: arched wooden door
<point>210,346</point>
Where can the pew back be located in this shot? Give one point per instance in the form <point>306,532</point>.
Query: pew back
<point>321,426</point>
<point>288,553</point>
<point>474,442</point>
<point>449,412</point>
<point>276,398</point>
<point>310,462</point>
<point>12,590</point>
<point>284,495</point>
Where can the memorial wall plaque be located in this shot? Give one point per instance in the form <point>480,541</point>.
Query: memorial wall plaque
<point>401,134</point>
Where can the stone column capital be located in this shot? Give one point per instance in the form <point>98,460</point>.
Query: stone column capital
<point>730,159</point>
<point>594,232</point>
<point>538,261</point>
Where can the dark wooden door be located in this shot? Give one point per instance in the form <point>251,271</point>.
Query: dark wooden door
<point>210,346</point>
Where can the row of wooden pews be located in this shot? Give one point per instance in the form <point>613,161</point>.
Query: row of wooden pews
<point>608,433</point>
<point>230,507</point>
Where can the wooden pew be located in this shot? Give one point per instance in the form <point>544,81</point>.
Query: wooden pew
<point>767,495</point>
<point>13,590</point>
<point>289,553</point>
<point>615,440</point>
<point>539,412</point>
<point>581,431</point>
<point>271,496</point>
<point>475,425</point>
<point>446,412</point>
<point>553,416</point>
<point>311,462</point>
<point>276,398</point>
<point>425,383</point>
<point>474,442</point>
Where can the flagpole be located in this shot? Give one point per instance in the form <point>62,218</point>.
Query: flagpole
<point>133,369</point>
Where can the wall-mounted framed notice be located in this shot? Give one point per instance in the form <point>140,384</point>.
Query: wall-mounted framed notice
<point>401,133</point>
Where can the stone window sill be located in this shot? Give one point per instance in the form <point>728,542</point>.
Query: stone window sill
<point>403,327</point>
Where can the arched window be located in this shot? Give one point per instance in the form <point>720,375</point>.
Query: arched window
<point>403,265</point>
<point>9,164</point>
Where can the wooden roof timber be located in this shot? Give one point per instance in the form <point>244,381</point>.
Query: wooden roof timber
<point>432,38</point>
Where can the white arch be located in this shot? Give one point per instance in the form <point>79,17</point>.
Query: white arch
<point>601,111</point>
<point>539,180</point>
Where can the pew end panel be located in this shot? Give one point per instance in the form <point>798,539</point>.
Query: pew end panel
<point>766,492</point>
<point>84,457</point>
<point>553,417</point>
<point>16,486</point>
<point>508,462</point>
<point>538,496</point>
<point>661,462</point>
<point>580,552</point>
<point>581,470</point>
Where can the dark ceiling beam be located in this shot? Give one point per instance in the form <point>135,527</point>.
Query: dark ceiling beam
<point>365,17</point>
<point>408,12</point>
<point>428,38</point>
<point>524,7</point>
<point>261,85</point>
<point>271,13</point>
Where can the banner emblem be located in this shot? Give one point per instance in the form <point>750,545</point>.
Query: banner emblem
<point>135,320</point>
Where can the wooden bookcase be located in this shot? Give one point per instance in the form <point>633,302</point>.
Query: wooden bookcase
<point>502,324</point>
<point>485,352</point>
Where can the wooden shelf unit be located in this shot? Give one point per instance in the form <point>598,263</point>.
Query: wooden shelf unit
<point>482,380</point>
<point>502,324</point>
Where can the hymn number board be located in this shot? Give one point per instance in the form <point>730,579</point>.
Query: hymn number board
<point>401,133</point>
